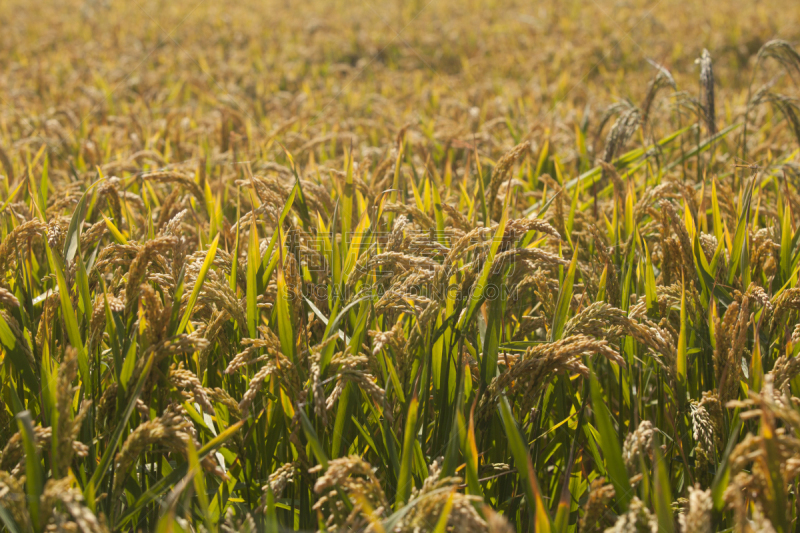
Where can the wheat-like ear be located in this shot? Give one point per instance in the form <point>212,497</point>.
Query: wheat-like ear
<point>637,445</point>
<point>7,166</point>
<point>707,85</point>
<point>637,518</point>
<point>690,102</point>
<point>662,80</point>
<point>501,172</point>
<point>621,132</point>
<point>177,178</point>
<point>789,107</point>
<point>783,52</point>
<point>7,299</point>
<point>610,112</point>
<point>697,516</point>
<point>596,510</point>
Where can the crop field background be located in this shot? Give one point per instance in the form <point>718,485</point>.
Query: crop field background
<point>418,266</point>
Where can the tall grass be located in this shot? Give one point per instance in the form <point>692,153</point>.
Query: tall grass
<point>256,284</point>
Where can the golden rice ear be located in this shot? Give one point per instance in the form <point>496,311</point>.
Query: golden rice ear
<point>783,52</point>
<point>662,80</point>
<point>621,132</point>
<point>171,429</point>
<point>786,105</point>
<point>595,512</point>
<point>501,172</point>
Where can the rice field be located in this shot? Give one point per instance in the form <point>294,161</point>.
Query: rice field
<point>422,266</point>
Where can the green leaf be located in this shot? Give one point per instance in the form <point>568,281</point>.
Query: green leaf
<point>111,446</point>
<point>756,366</point>
<point>627,287</point>
<point>347,199</point>
<point>741,232</point>
<point>285,326</point>
<point>271,525</point>
<point>441,524</point>
<point>115,232</point>
<point>624,159</point>
<point>705,270</point>
<point>159,487</point>
<point>564,300</point>
<point>311,435</point>
<point>702,147</point>
<point>527,474</point>
<point>68,313</point>
<point>404,480</point>
<point>477,294</point>
<point>73,237</point>
<point>177,297</point>
<point>6,518</point>
<point>609,443</point>
<point>198,284</point>
<point>775,490</point>
<point>34,477</point>
<point>649,280</point>
<point>82,281</point>
<point>439,214</point>
<point>198,478</point>
<point>485,209</point>
<point>719,230</point>
<point>681,356</point>
<point>786,242</point>
<point>662,493</point>
<point>470,451</point>
<point>571,217</point>
<point>12,195</point>
<point>253,262</point>
<point>357,244</point>
<point>491,344</point>
<point>17,356</point>
<point>341,417</point>
<point>235,261</point>
<point>269,263</point>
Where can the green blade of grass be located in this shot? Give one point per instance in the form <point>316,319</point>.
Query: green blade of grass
<point>564,300</point>
<point>722,477</point>
<point>285,326</point>
<point>311,435</point>
<point>162,485</point>
<point>253,262</point>
<point>477,295</point>
<point>470,452</point>
<point>682,339</point>
<point>404,480</point>
<point>73,237</point>
<point>741,231</point>
<point>16,356</point>
<point>8,520</point>
<point>441,523</point>
<point>68,313</point>
<point>34,477</point>
<point>662,493</point>
<point>198,284</point>
<point>527,475</point>
<point>609,443</point>
<point>122,423</point>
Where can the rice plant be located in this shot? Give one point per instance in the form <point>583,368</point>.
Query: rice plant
<point>351,270</point>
